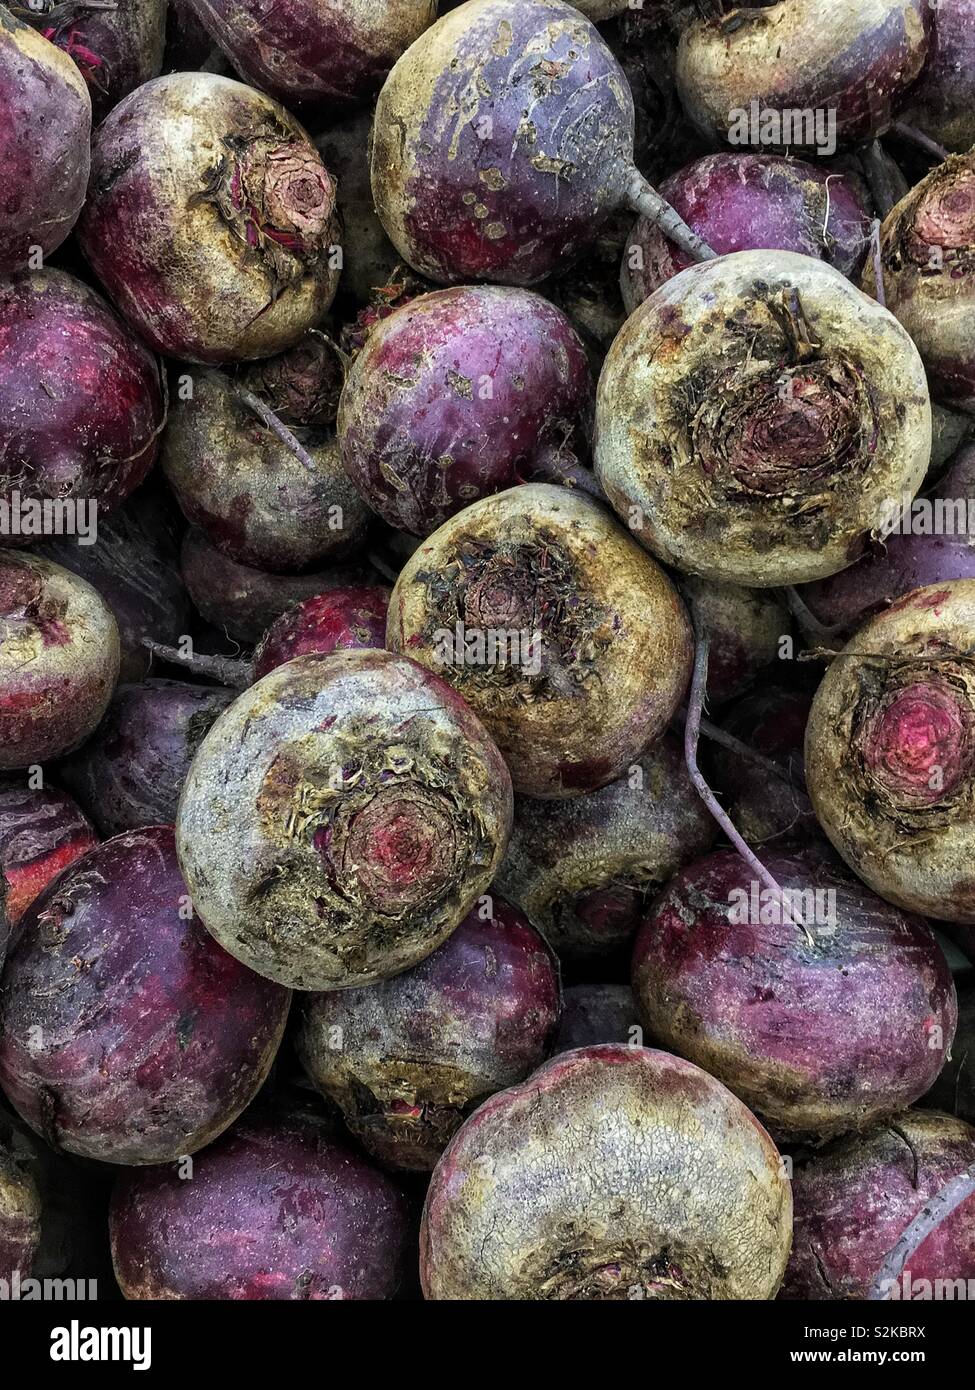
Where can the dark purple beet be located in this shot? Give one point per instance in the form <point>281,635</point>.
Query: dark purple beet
<point>188,45</point>
<point>279,1211</point>
<point>343,617</point>
<point>41,831</point>
<point>126,1034</point>
<point>131,771</point>
<point>942,101</point>
<point>763,805</point>
<point>408,1058</point>
<point>593,1014</point>
<point>954,1090</point>
<point>461,393</point>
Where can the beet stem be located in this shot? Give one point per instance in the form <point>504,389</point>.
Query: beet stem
<point>226,669</point>
<point>551,466</point>
<point>806,617</point>
<point>642,197</point>
<point>743,750</point>
<point>273,422</point>
<point>880,294</point>
<point>918,137</point>
<point>928,1219</point>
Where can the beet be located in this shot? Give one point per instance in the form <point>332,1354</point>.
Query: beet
<point>279,1211</point>
<point>823,1027</point>
<point>59,660</point>
<point>754,416</point>
<point>42,831</point>
<point>109,964</point>
<point>342,618</point>
<point>854,1200</point>
<point>459,394</point>
<point>942,101</point>
<point>950,430</point>
<point>344,148</point>
<point>844,60</point>
<point>80,402</point>
<point>407,1059</point>
<point>116,47</point>
<point>20,1218</point>
<point>954,1090</point>
<point>341,818</point>
<point>210,219</point>
<point>302,386</point>
<point>541,611</point>
<point>927,243</point>
<point>254,499</point>
<point>745,628</point>
<point>890,752</point>
<point>744,202</point>
<point>765,805</point>
<point>594,1014</point>
<point>131,771</point>
<point>581,868</point>
<point>45,126</point>
<point>611,1173</point>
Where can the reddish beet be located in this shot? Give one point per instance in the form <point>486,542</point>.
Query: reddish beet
<point>80,402</point>
<point>744,202</point>
<point>407,1059</point>
<point>541,610</point>
<point>280,1211</point>
<point>20,1218</point>
<point>131,771</point>
<point>210,219</point>
<point>942,101</point>
<point>593,1014</point>
<point>459,394</point>
<point>745,628</point>
<point>342,618</point>
<point>126,1034</point>
<point>581,869</point>
<point>341,818</point>
<point>59,659</point>
<point>823,1027</point>
<point>42,831</point>
<point>854,1200</point>
<point>611,1173</point>
<point>45,126</point>
<point>763,804</point>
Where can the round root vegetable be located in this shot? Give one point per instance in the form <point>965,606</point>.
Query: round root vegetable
<point>558,630</point>
<point>344,148</point>
<point>942,101</point>
<point>744,202</point>
<point>407,1059</point>
<point>927,247</point>
<point>244,486</point>
<point>81,405</point>
<point>755,415</point>
<point>950,430</point>
<point>280,1211</point>
<point>20,1218</point>
<point>42,831</point>
<point>210,219</point>
<point>302,386</point>
<point>59,660</point>
<point>611,1173</point>
<point>131,771</point>
<point>766,802</point>
<point>126,1034</point>
<point>343,618</point>
<point>503,140</point>
<point>851,62</point>
<point>853,1201</point>
<point>341,818</point>
<point>890,752</point>
<point>954,1090</point>
<point>825,1009</point>
<point>459,394</point>
<point>745,628</point>
<point>593,1014</point>
<point>581,869</point>
<point>45,128</point>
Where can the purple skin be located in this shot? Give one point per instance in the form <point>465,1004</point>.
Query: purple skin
<point>126,1034</point>
<point>853,1201</point>
<point>281,1211</point>
<point>131,771</point>
<point>458,394</point>
<point>42,830</point>
<point>520,181</point>
<point>20,1217</point>
<point>350,617</point>
<point>820,1031</point>
<point>420,1051</point>
<point>954,1090</point>
<point>745,202</point>
<point>81,405</point>
<point>593,1014</point>
<point>763,806</point>
<point>44,144</point>
<point>943,99</point>
<point>744,628</point>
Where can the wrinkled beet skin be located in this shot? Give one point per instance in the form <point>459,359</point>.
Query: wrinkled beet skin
<point>419,1051</point>
<point>126,1034</point>
<point>44,144</point>
<point>131,771</point>
<point>282,1212</point>
<point>42,831</point>
<point>943,98</point>
<point>342,618</point>
<point>855,1199</point>
<point>818,1039</point>
<point>458,394</point>
<point>593,1014</point>
<point>81,403</point>
<point>744,202</point>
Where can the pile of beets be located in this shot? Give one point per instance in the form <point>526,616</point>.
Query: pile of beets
<point>487,648</point>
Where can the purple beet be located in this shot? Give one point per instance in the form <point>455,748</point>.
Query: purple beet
<point>942,102</point>
<point>131,771</point>
<point>42,831</point>
<point>763,804</point>
<point>826,1010</point>
<point>341,618</point>
<point>745,202</point>
<point>302,386</point>
<point>126,1034</point>
<point>593,1014</point>
<point>459,394</point>
<point>281,1211</point>
<point>407,1059</point>
<point>20,1217</point>
<point>81,404</point>
<point>45,127</point>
